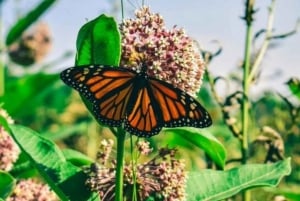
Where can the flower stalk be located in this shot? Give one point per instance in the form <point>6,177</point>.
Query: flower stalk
<point>120,165</point>
<point>265,44</point>
<point>134,169</point>
<point>246,70</point>
<point>2,70</point>
<point>1,78</point>
<point>249,11</point>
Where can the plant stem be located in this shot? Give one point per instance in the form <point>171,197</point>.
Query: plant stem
<point>245,104</point>
<point>120,151</point>
<point>2,77</point>
<point>266,42</point>
<point>134,169</point>
<point>120,165</point>
<point>2,70</point>
<point>247,61</point>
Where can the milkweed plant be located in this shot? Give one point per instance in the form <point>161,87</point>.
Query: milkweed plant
<point>130,167</point>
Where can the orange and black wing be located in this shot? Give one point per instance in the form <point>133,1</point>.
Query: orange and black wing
<point>158,104</point>
<point>144,115</point>
<point>177,107</point>
<point>107,88</point>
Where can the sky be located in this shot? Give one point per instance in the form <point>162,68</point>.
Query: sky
<point>206,21</point>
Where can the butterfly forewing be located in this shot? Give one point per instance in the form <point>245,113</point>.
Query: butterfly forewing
<point>107,88</point>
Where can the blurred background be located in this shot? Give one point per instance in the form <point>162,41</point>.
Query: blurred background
<point>34,95</point>
<point>206,21</point>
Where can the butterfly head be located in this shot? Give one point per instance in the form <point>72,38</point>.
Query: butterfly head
<point>142,70</point>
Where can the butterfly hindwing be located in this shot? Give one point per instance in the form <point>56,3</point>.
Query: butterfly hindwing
<point>178,108</point>
<point>144,118</point>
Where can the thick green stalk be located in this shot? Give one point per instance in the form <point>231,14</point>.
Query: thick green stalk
<point>120,152</point>
<point>120,165</point>
<point>245,104</point>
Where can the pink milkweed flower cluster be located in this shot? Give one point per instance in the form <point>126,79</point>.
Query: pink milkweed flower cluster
<point>162,176</point>
<point>31,190</point>
<point>169,54</point>
<point>9,150</point>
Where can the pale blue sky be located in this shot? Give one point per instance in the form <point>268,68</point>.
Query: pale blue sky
<point>204,20</point>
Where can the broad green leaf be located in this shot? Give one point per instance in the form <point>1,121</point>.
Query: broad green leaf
<point>7,184</point>
<point>67,180</point>
<point>16,31</point>
<point>77,158</point>
<point>294,86</point>
<point>98,42</point>
<point>214,185</point>
<point>202,139</point>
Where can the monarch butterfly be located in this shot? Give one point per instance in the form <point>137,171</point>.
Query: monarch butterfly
<point>142,104</point>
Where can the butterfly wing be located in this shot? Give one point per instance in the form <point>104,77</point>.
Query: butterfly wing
<point>177,107</point>
<point>107,88</point>
<point>157,104</point>
<point>144,117</point>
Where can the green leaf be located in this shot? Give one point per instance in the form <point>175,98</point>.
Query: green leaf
<point>7,184</point>
<point>67,180</point>
<point>23,168</point>
<point>29,93</point>
<point>66,131</point>
<point>294,86</point>
<point>98,42</point>
<point>288,193</point>
<point>77,158</point>
<point>16,31</point>
<point>218,185</point>
<point>3,123</point>
<point>202,139</point>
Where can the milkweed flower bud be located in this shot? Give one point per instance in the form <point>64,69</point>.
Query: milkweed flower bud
<point>144,147</point>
